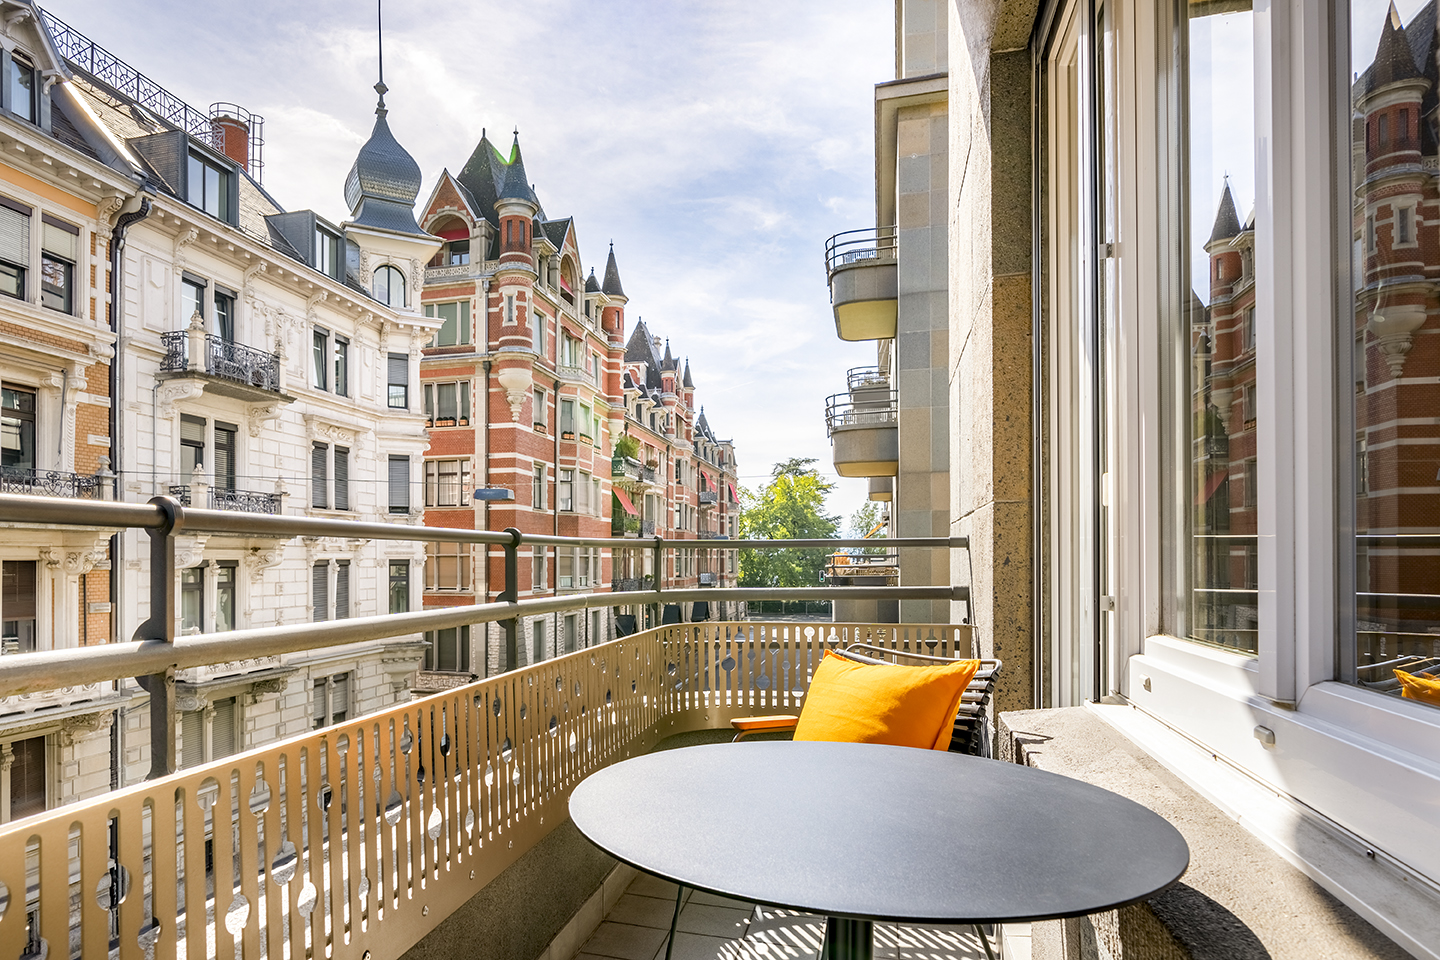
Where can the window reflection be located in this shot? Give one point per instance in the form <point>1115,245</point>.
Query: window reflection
<point>1220,244</point>
<point>1395,155</point>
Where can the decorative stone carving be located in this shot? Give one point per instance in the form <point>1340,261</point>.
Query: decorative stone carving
<point>186,238</point>
<point>259,559</point>
<point>190,550</point>
<point>260,414</point>
<point>326,430</point>
<point>71,562</point>
<point>175,391</point>
<point>107,208</point>
<point>516,382</point>
<point>84,726</point>
<point>1393,328</point>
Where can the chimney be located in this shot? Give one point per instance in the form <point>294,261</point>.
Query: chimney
<point>234,132</point>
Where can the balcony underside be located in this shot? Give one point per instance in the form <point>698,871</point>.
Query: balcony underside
<point>882,489</point>
<point>866,451</point>
<point>225,387</point>
<point>864,295</point>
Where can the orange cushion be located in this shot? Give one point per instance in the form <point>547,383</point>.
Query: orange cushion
<point>880,703</point>
<point>1424,689</point>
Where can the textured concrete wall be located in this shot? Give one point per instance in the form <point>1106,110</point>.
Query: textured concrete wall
<point>921,506</point>
<point>1239,900</point>
<point>990,338</point>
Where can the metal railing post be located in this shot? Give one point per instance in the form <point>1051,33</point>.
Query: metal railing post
<point>511,594</point>
<point>658,554</point>
<point>160,628</point>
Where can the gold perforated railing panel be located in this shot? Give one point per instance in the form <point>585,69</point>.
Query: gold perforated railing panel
<point>365,835</point>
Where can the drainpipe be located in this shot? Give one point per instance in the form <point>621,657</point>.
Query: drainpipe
<point>123,223</point>
<point>555,507</point>
<point>64,394</point>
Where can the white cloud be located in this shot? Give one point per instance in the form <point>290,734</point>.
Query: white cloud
<point>717,143</point>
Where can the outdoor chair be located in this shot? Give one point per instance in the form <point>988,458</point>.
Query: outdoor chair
<point>971,734</point>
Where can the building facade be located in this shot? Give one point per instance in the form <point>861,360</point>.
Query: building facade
<point>1193,450</point>
<point>220,350</point>
<point>529,393</point>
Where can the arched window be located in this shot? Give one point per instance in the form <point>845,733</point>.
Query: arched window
<point>389,286</point>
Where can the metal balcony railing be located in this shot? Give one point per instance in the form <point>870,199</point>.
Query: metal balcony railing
<point>877,408</point>
<point>346,829</point>
<point>711,535</point>
<point>51,483</point>
<point>852,246</point>
<point>647,528</point>
<point>708,580</point>
<point>223,358</point>
<point>244,501</point>
<point>861,378</point>
<point>708,498</point>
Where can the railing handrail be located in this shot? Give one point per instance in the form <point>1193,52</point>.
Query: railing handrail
<point>844,247</point>
<point>842,410</point>
<point>21,508</point>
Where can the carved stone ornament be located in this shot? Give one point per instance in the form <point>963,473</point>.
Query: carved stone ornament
<point>516,382</point>
<point>84,726</point>
<point>72,562</point>
<point>190,550</point>
<point>187,237</point>
<point>1393,328</point>
<point>259,559</point>
<point>328,431</point>
<point>173,392</point>
<point>260,415</point>
<point>107,208</point>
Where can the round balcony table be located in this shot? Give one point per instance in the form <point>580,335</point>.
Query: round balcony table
<point>860,833</point>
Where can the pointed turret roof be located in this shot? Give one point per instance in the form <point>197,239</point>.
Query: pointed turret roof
<point>516,185</point>
<point>640,349</point>
<point>1227,222</point>
<point>1394,60</point>
<point>384,181</point>
<point>667,362</point>
<point>702,426</point>
<point>591,284</point>
<point>686,381</point>
<point>612,287</point>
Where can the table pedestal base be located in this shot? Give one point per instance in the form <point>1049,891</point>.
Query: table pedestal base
<point>848,940</point>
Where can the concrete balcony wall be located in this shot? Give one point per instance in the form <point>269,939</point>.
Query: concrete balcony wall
<point>866,450</point>
<point>863,294</point>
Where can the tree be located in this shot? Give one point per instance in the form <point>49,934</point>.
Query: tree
<point>790,507</point>
<point>868,521</point>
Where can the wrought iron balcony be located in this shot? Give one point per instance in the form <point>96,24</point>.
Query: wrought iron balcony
<point>708,498</point>
<point>862,268</point>
<point>243,501</point>
<point>574,374</point>
<point>711,535</point>
<point>631,474</point>
<point>864,429</point>
<point>709,579</point>
<point>647,528</point>
<point>51,483</point>
<point>625,584</point>
<point>225,360</point>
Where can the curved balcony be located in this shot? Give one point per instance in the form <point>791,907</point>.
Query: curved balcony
<point>226,368</point>
<point>882,489</point>
<point>862,269</point>
<point>864,429</point>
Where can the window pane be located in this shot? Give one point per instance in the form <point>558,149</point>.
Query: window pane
<point>1396,452</point>
<point>1219,249</point>
<point>17,429</point>
<point>22,89</point>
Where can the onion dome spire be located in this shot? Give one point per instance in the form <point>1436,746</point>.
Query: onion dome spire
<point>385,180</point>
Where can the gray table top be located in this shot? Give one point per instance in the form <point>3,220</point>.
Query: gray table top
<point>879,833</point>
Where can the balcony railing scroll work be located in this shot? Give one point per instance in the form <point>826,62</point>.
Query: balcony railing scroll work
<point>356,840</point>
<point>224,359</point>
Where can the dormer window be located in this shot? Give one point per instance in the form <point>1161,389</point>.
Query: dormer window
<point>20,88</point>
<point>208,187</point>
<point>327,253</point>
<point>457,253</point>
<point>389,287</point>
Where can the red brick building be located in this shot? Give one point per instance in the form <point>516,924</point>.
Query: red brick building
<point>526,390</point>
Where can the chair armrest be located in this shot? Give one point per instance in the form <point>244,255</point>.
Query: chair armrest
<point>771,724</point>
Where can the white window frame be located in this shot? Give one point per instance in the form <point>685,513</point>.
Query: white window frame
<point>1329,736</point>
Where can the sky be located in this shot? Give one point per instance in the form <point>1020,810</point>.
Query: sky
<point>717,143</point>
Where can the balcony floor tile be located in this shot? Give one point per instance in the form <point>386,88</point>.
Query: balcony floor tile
<point>714,921</point>
<point>644,911</point>
<point>625,941</point>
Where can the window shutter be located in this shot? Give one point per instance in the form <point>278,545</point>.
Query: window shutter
<point>225,456</point>
<point>319,484</point>
<point>17,599</point>
<point>60,239</point>
<point>14,235</point>
<point>399,484</point>
<point>317,704</point>
<point>192,429</point>
<point>340,695</point>
<point>342,590</point>
<point>320,584</point>
<point>399,365</point>
<point>27,777</point>
<point>192,738</point>
<point>222,729</point>
<point>342,478</point>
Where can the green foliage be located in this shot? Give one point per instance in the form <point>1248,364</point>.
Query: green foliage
<point>862,522</point>
<point>626,446</point>
<point>790,507</point>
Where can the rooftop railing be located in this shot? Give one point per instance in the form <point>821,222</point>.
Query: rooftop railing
<point>358,839</point>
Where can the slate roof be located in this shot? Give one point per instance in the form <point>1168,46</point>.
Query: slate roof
<point>1394,59</point>
<point>611,287</point>
<point>1227,222</point>
<point>591,284</point>
<point>686,381</point>
<point>384,181</point>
